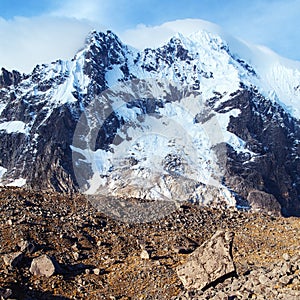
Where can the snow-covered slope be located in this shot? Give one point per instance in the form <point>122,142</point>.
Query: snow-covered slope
<point>278,77</point>
<point>205,118</point>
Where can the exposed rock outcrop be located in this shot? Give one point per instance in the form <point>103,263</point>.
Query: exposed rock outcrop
<point>262,201</point>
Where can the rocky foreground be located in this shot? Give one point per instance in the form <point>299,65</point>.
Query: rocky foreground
<point>56,247</point>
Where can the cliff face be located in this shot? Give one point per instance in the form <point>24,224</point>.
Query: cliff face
<point>269,132</point>
<point>188,121</point>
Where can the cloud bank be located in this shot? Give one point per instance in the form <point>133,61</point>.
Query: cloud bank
<point>61,30</point>
<point>144,36</point>
<point>26,42</point>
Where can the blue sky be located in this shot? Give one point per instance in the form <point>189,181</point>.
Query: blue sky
<point>36,31</point>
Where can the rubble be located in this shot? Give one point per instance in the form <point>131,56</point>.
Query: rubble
<point>26,246</point>
<point>258,283</point>
<point>265,251</point>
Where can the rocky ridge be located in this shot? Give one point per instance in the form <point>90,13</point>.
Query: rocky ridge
<point>86,255</point>
<point>181,89</point>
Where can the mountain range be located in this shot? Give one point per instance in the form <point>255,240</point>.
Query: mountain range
<point>205,118</point>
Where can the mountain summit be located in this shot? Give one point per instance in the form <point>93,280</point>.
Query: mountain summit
<point>200,118</point>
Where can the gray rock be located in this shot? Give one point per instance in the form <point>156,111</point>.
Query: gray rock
<point>13,259</point>
<point>5,293</point>
<point>295,258</point>
<point>286,268</point>
<point>145,254</point>
<point>96,271</point>
<point>285,279</point>
<point>275,272</point>
<point>236,285</point>
<point>221,295</point>
<point>26,246</point>
<point>262,201</point>
<point>263,279</point>
<point>76,255</point>
<point>296,280</point>
<point>286,256</point>
<point>210,262</point>
<point>248,285</point>
<point>42,266</point>
<point>270,293</point>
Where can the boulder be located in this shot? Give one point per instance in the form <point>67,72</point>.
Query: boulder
<point>265,202</point>
<point>42,266</point>
<point>96,271</point>
<point>209,263</point>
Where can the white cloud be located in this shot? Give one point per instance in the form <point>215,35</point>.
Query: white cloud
<point>92,10</point>
<point>144,36</point>
<point>272,23</point>
<point>26,42</point>
<point>141,37</point>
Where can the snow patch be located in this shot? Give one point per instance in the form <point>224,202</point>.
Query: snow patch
<point>2,172</point>
<point>2,107</point>
<point>76,80</point>
<point>17,182</point>
<point>277,77</point>
<point>14,127</point>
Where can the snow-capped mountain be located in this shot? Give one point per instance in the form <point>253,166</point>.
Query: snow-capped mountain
<point>202,118</point>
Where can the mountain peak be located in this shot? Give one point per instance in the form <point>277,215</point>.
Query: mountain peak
<point>9,78</point>
<point>169,113</point>
<point>98,37</point>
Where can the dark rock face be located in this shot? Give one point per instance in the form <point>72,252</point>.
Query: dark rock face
<point>9,78</point>
<point>262,177</point>
<point>52,166</point>
<point>272,135</point>
<point>43,156</point>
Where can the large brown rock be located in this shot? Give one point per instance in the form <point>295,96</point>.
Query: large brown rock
<point>209,263</point>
